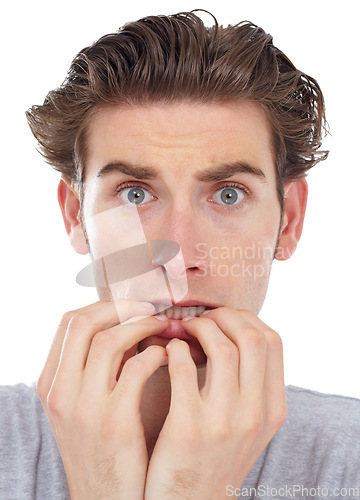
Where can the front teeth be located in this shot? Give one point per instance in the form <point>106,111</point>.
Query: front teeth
<point>176,312</point>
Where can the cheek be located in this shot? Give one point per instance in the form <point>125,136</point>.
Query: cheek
<point>242,248</point>
<point>249,260</point>
<point>123,262</point>
<point>112,230</point>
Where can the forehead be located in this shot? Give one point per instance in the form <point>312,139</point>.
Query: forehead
<point>180,137</point>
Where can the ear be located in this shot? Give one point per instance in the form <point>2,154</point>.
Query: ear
<point>70,208</point>
<point>294,212</point>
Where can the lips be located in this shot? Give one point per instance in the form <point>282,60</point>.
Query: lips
<point>176,312</point>
<point>175,329</point>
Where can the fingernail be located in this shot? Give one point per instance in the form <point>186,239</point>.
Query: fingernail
<point>205,312</point>
<point>161,317</point>
<point>172,340</point>
<point>187,318</point>
<point>148,305</point>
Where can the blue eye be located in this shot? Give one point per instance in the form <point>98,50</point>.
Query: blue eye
<point>229,195</point>
<point>134,195</point>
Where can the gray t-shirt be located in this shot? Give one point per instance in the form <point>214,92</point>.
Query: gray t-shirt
<point>315,455</point>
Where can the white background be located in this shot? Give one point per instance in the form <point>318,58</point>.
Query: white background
<point>313,298</point>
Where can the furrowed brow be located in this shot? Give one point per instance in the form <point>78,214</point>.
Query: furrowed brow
<point>212,174</point>
<point>228,170</point>
<point>128,169</point>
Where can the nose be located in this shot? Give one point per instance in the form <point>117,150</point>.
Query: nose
<point>188,229</point>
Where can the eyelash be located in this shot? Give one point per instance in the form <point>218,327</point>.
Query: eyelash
<point>242,188</point>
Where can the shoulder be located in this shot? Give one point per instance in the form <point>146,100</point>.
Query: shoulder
<point>17,400</point>
<point>322,400</point>
<point>17,392</point>
<point>324,430</point>
<point>21,416</point>
<point>322,411</point>
<point>29,458</point>
<point>317,447</point>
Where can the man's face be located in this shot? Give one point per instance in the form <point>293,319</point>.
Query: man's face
<point>226,225</point>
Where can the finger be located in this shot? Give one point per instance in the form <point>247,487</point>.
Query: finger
<point>229,320</point>
<point>274,386</point>
<point>107,350</point>
<point>183,376</point>
<point>275,395</point>
<point>82,328</point>
<point>76,329</point>
<point>223,358</point>
<point>274,376</point>
<point>251,343</point>
<point>136,371</point>
<point>48,373</point>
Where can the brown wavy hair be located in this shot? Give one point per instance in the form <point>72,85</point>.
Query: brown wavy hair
<point>177,58</point>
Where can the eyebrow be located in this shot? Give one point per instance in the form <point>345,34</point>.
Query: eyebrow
<point>126,168</point>
<point>222,172</point>
<point>211,174</point>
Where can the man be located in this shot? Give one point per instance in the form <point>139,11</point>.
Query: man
<point>193,144</point>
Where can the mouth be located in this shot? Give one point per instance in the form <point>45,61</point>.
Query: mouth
<point>180,311</point>
<point>175,313</point>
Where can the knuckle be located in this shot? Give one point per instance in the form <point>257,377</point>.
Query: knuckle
<point>221,431</point>
<point>278,415</point>
<point>79,321</point>
<point>42,388</point>
<point>104,341</point>
<point>55,403</point>
<point>254,337</point>
<point>254,421</point>
<point>228,352</point>
<point>66,317</point>
<point>134,364</point>
<point>246,313</point>
<point>274,340</point>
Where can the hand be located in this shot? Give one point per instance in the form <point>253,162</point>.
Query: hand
<point>212,437</point>
<point>91,389</point>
